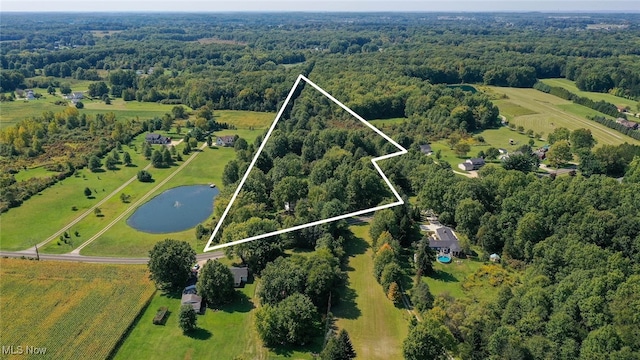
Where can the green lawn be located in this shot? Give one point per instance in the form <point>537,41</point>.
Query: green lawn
<point>553,112</point>
<point>448,278</point>
<point>376,327</point>
<point>571,86</point>
<point>382,123</point>
<point>14,111</point>
<point>225,334</point>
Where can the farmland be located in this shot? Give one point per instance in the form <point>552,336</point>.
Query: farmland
<point>74,310</point>
<point>544,113</point>
<point>571,86</point>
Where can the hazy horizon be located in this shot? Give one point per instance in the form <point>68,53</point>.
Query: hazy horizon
<point>198,6</point>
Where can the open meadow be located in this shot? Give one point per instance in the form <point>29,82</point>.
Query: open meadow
<point>72,310</point>
<point>375,325</point>
<point>571,86</point>
<point>543,113</point>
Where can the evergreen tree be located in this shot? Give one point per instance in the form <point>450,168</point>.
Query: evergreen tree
<point>187,318</point>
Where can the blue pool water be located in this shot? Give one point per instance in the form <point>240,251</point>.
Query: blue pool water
<point>444,259</point>
<point>176,209</point>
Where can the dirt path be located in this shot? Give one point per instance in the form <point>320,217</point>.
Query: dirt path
<point>137,203</point>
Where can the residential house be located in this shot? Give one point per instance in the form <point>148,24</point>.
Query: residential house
<point>426,149</point>
<point>29,94</point>
<point>226,141</point>
<point>472,164</point>
<point>152,138</point>
<point>240,275</point>
<point>192,299</point>
<point>445,241</point>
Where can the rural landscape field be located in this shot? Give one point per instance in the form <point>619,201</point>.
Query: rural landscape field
<point>490,212</point>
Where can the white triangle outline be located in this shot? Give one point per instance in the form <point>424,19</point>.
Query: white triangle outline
<point>399,201</point>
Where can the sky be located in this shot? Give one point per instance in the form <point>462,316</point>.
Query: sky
<point>199,6</point>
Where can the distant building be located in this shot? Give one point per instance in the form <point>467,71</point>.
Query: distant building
<point>225,141</point>
<point>29,94</point>
<point>626,123</point>
<point>157,139</point>
<point>426,149</point>
<point>494,258</point>
<point>472,164</point>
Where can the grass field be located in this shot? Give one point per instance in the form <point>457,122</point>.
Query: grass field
<point>550,112</point>
<point>571,86</point>
<point>74,310</point>
<point>376,327</point>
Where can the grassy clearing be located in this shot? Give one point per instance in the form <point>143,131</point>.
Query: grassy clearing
<point>14,111</point>
<point>376,327</point>
<point>571,86</point>
<point>224,334</point>
<point>382,123</point>
<point>511,110</point>
<point>498,138</point>
<point>74,310</point>
<point>554,112</point>
<point>246,120</point>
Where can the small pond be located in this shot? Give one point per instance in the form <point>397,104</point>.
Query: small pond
<point>174,210</point>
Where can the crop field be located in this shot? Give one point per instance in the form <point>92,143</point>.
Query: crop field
<point>73,310</point>
<point>595,96</point>
<point>376,327</point>
<point>550,112</point>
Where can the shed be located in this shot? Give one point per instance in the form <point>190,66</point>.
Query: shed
<point>192,299</point>
<point>240,275</point>
<point>494,258</point>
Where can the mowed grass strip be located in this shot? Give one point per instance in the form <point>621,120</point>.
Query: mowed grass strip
<point>595,96</point>
<point>554,112</point>
<point>74,310</point>
<point>376,327</point>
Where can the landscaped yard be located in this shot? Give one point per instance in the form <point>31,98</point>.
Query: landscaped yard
<point>73,310</point>
<point>375,325</point>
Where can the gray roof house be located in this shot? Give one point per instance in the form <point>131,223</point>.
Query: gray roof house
<point>157,139</point>
<point>426,149</point>
<point>227,140</point>
<point>445,240</point>
<point>240,275</point>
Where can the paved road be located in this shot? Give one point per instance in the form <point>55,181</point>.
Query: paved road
<point>133,206</point>
<point>100,259</point>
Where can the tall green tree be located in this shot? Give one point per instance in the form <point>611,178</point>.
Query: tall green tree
<point>215,283</point>
<point>187,318</point>
<point>170,263</point>
<point>421,345</point>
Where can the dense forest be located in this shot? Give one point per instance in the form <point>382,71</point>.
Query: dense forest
<point>574,240</point>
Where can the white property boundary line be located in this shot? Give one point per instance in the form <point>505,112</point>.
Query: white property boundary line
<point>399,201</point>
